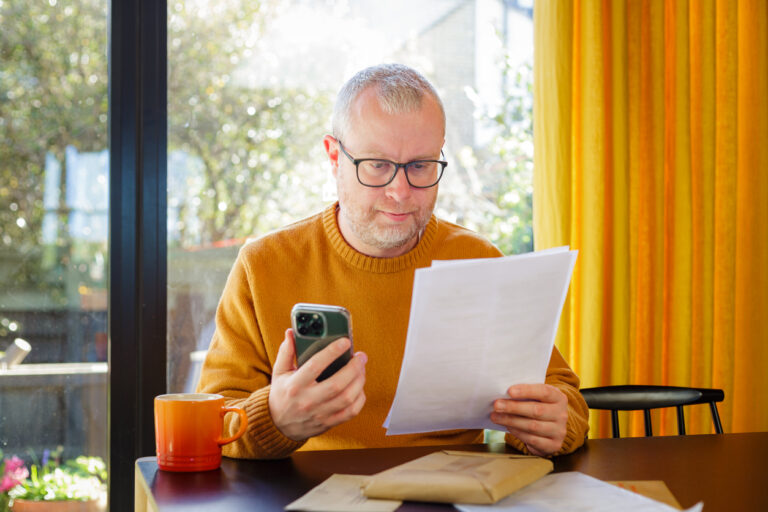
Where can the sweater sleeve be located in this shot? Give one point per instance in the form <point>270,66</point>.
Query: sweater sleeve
<point>239,367</point>
<point>560,375</point>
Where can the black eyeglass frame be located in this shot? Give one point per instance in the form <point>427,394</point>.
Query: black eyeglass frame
<point>357,161</point>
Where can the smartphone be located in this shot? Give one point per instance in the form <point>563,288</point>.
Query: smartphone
<point>315,326</point>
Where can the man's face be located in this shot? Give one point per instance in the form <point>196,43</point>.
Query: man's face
<point>386,221</point>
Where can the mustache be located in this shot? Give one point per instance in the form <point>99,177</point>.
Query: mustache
<point>398,210</point>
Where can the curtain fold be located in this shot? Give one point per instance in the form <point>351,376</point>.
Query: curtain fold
<point>651,138</point>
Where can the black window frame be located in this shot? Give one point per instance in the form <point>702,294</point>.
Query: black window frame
<point>137,240</point>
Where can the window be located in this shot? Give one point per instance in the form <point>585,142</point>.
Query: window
<point>53,226</point>
<point>250,91</point>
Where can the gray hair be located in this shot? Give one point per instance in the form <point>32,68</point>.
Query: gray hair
<point>398,87</point>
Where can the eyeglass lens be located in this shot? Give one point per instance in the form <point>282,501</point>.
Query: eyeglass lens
<point>380,172</point>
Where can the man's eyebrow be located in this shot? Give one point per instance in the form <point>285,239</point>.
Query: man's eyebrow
<point>382,156</point>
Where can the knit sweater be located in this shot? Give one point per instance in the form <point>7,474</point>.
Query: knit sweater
<point>309,261</point>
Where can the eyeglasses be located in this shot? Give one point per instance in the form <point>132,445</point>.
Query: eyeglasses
<point>377,172</point>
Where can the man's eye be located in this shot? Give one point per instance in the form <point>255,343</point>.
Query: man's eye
<point>379,165</point>
<point>422,167</point>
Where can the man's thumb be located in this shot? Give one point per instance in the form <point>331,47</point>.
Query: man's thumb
<point>284,362</point>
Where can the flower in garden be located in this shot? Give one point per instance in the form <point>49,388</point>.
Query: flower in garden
<point>13,474</point>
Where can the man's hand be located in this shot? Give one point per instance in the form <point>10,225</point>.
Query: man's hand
<point>300,406</point>
<point>535,414</point>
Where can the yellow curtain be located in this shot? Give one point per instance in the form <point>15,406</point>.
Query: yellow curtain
<point>651,159</point>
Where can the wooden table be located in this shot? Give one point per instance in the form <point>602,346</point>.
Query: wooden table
<point>726,471</point>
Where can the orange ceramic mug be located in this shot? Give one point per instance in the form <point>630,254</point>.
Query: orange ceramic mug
<point>188,429</point>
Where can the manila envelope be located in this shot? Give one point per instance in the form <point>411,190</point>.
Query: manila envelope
<point>457,477</point>
<point>654,489</point>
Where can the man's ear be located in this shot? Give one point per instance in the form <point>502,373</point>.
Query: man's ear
<point>332,149</point>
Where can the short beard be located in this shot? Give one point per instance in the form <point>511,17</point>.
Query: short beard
<point>361,222</point>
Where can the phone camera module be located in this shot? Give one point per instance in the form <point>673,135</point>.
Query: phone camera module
<point>309,324</point>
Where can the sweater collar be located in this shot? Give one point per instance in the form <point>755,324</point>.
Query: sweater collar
<point>369,263</point>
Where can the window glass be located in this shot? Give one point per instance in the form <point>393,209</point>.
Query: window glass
<point>250,90</point>
<point>53,229</point>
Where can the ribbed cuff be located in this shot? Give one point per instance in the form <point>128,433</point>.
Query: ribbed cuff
<point>516,443</point>
<point>272,443</point>
<point>575,435</point>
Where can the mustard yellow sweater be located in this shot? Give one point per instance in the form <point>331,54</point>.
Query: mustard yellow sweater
<point>310,261</point>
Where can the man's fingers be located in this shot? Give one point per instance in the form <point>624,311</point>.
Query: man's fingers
<point>536,414</point>
<point>539,446</point>
<point>344,388</point>
<point>302,407</point>
<point>547,429</point>
<point>312,369</point>
<point>529,409</point>
<point>333,401</point>
<point>342,379</point>
<point>348,412</point>
<point>284,362</point>
<point>539,392</point>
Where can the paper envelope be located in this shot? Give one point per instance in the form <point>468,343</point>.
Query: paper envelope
<point>457,477</point>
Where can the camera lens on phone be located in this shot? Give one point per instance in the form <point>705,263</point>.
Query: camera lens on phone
<point>309,324</point>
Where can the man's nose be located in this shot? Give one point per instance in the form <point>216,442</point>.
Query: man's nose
<point>399,186</point>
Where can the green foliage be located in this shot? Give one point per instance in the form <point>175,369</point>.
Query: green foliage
<point>83,478</point>
<point>498,200</point>
<point>52,95</point>
<point>510,185</point>
<point>246,142</point>
<point>87,466</point>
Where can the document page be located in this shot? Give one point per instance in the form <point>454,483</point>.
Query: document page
<point>342,493</point>
<point>573,491</point>
<point>477,327</point>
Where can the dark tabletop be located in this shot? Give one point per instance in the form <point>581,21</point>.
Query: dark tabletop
<point>726,471</point>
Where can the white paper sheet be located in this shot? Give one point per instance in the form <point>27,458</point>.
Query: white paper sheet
<point>573,492</point>
<point>477,327</point>
<point>342,493</point>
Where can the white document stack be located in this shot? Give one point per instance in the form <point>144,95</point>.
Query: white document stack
<point>477,327</point>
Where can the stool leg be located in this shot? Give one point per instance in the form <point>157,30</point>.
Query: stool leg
<point>680,420</point>
<point>715,417</point>
<point>615,424</point>
<point>648,427</point>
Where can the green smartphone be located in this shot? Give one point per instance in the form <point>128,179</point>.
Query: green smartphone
<point>315,326</point>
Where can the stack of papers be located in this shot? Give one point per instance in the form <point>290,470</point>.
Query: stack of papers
<point>557,492</point>
<point>476,328</point>
<point>574,492</point>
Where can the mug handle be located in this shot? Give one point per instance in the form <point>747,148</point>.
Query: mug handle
<point>243,424</point>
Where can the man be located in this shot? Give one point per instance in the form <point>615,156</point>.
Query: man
<point>361,253</point>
